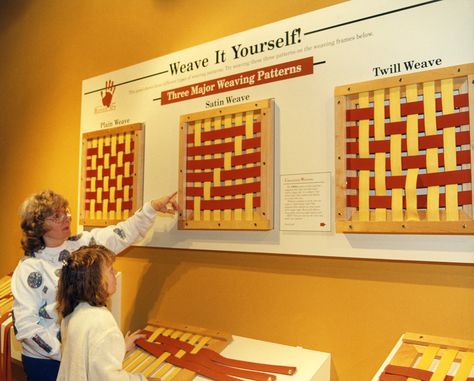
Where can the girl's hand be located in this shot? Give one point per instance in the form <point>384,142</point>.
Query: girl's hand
<point>166,204</point>
<point>131,338</point>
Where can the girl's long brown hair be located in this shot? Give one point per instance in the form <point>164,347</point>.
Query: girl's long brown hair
<point>81,279</point>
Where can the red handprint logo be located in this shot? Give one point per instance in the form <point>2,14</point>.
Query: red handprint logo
<point>109,92</point>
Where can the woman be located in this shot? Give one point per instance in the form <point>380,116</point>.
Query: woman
<point>93,348</point>
<point>47,241</point>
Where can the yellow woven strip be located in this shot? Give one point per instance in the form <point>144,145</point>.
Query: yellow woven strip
<point>128,142</point>
<point>465,367</point>
<point>412,149</point>
<point>410,192</point>
<point>444,365</point>
<point>126,193</point>
<point>93,189</point>
<point>113,146</point>
<point>99,195</point>
<point>380,168</point>
<point>106,183</point>
<point>227,165</point>
<point>118,209</point>
<point>429,107</point>
<point>197,143</point>
<point>92,210</point>
<point>238,151</point>
<point>217,126</point>
<point>197,133</point>
<point>99,172</point>
<point>207,127</point>
<point>449,147</point>
<point>112,194</point>
<point>100,150</point>
<point>364,175</point>
<point>197,208</point>
<point>364,195</point>
<point>396,170</point>
<point>112,171</point>
<point>202,342</point>
<point>179,354</point>
<point>105,205</point>
<point>249,130</point>
<point>120,159</point>
<point>107,160</point>
<point>429,355</point>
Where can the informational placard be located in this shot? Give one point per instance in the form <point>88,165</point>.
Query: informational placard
<point>298,63</point>
<point>306,202</point>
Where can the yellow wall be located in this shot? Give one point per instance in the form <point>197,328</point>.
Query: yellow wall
<point>355,309</point>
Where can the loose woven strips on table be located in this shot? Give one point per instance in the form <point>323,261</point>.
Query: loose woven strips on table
<point>112,174</point>
<point>6,322</point>
<point>180,355</point>
<point>226,168</point>
<point>431,358</point>
<point>405,153</point>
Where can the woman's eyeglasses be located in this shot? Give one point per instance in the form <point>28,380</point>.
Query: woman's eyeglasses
<point>59,218</point>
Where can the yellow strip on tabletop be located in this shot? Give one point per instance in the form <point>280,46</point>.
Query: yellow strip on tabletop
<point>164,369</point>
<point>179,354</point>
<point>412,150</point>
<point>426,360</point>
<point>379,133</point>
<point>449,147</point>
<point>465,367</point>
<point>429,109</point>
<point>444,365</point>
<point>363,192</point>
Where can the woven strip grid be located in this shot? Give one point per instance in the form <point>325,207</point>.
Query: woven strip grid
<point>407,150</point>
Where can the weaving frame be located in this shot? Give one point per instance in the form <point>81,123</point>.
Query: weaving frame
<point>135,179</point>
<point>260,121</point>
<point>348,218</point>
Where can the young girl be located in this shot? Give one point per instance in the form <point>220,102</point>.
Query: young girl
<point>93,347</point>
<point>47,241</point>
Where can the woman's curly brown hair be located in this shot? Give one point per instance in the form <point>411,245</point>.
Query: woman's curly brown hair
<point>33,214</point>
<point>81,279</point>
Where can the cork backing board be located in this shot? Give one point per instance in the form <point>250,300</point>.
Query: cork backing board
<point>405,153</point>
<point>111,174</point>
<point>141,361</point>
<point>226,168</point>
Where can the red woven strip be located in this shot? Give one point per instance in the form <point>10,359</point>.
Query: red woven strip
<point>249,158</point>
<point>464,198</point>
<point>233,174</point>
<point>419,161</point>
<point>126,205</point>
<point>224,133</point>
<point>128,158</point>
<point>105,195</point>
<point>390,377</point>
<point>210,149</point>
<point>393,128</point>
<point>112,182</point>
<point>212,359</point>
<point>251,143</point>
<point>230,190</point>
<point>237,203</point>
<point>460,100</point>
<point>244,173</point>
<point>424,142</point>
<point>418,374</point>
<point>205,164</point>
<point>423,180</point>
